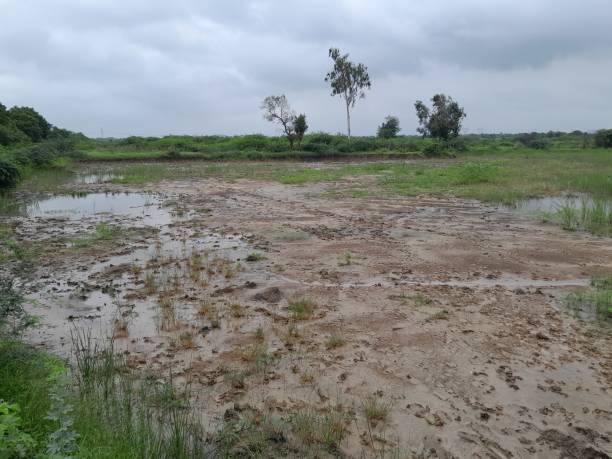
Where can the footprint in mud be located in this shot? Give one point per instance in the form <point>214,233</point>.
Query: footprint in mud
<point>506,373</point>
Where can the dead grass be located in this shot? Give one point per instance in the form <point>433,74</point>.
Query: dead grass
<point>120,328</point>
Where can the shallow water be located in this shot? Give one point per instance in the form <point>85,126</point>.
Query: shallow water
<point>549,204</point>
<point>78,206</point>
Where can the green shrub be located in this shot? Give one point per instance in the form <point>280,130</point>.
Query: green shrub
<point>14,443</point>
<point>437,149</point>
<point>13,317</point>
<point>603,138</point>
<point>320,138</point>
<point>534,140</point>
<point>10,135</point>
<point>9,174</point>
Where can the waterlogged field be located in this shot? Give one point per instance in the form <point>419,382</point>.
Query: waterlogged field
<point>408,308</point>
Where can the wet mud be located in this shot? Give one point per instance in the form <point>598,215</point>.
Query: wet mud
<point>448,311</point>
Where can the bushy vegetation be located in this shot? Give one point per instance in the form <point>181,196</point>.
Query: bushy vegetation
<point>603,138</point>
<point>321,145</point>
<point>592,215</point>
<point>389,128</point>
<point>28,140</point>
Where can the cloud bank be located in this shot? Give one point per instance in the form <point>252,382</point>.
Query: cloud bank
<point>202,67</point>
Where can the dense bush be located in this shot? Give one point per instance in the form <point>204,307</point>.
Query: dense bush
<point>534,140</point>
<point>445,148</point>
<point>320,137</point>
<point>10,135</point>
<point>30,122</point>
<point>9,174</point>
<point>437,149</point>
<point>603,138</point>
<point>317,147</point>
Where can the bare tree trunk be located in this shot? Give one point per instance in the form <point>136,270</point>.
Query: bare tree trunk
<point>348,121</point>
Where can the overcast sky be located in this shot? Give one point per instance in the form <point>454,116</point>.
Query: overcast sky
<point>149,67</point>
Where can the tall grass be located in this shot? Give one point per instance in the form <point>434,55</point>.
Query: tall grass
<point>598,298</point>
<point>592,215</point>
<point>120,415</point>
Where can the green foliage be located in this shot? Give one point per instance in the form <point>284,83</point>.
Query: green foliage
<point>117,415</point>
<point>443,121</point>
<point>325,429</point>
<point>26,380</point>
<point>276,109</point>
<point>603,138</point>
<point>592,215</point>
<point>28,140</point>
<point>300,126</point>
<point>534,140</point>
<point>389,128</point>
<point>598,298</point>
<point>10,135</point>
<point>13,441</point>
<point>347,80</point>
<point>9,174</point>
<point>302,308</point>
<point>13,317</point>
<point>103,232</point>
<point>4,116</point>
<point>30,122</point>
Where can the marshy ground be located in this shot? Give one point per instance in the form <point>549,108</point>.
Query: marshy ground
<point>364,323</point>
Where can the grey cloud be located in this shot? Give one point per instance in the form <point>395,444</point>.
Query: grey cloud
<point>153,67</point>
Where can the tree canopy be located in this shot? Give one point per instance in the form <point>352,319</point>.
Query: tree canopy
<point>348,80</point>
<point>389,128</point>
<point>443,120</point>
<point>300,126</point>
<point>30,122</point>
<point>277,109</point>
<point>22,124</point>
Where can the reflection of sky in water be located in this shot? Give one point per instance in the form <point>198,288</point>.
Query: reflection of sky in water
<point>133,204</point>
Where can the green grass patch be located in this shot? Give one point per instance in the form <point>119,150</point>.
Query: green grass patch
<point>26,382</point>
<point>598,298</point>
<point>594,216</point>
<point>302,308</point>
<point>103,233</point>
<point>326,174</point>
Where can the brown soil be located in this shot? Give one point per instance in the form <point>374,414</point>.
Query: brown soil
<point>449,311</point>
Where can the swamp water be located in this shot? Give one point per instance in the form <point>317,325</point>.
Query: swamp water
<point>147,281</point>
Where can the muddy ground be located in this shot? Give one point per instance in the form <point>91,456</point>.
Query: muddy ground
<point>445,312</point>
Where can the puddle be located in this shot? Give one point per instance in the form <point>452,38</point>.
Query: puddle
<point>77,206</point>
<point>147,208</point>
<point>113,288</point>
<point>550,204</point>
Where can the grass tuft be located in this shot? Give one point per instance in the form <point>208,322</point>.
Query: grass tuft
<point>302,308</point>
